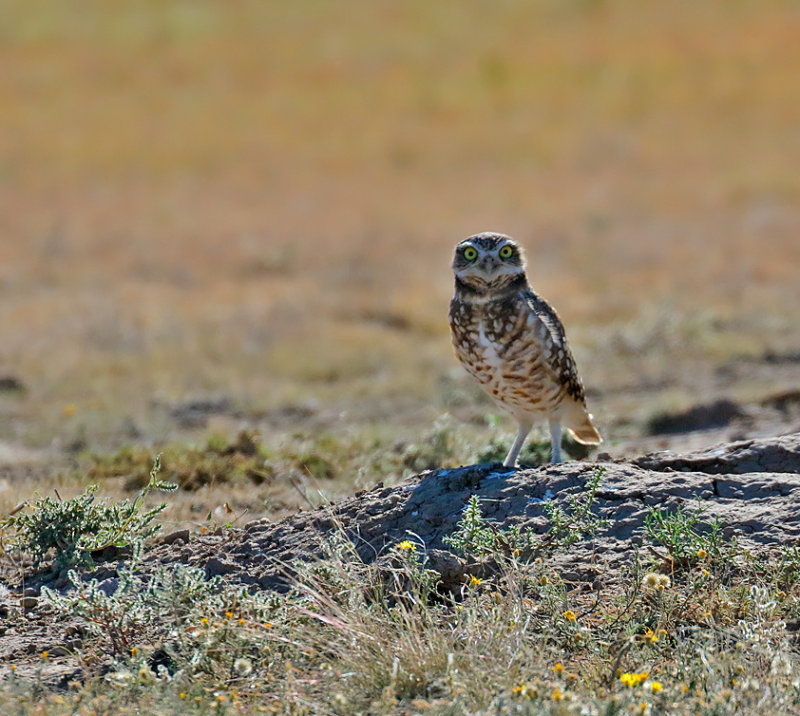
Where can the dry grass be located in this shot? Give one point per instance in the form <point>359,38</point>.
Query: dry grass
<point>708,636</point>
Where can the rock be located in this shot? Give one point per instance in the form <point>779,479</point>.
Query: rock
<point>28,603</point>
<point>216,567</point>
<point>181,536</point>
<point>781,454</point>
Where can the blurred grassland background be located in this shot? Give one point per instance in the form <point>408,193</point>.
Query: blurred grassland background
<point>255,203</point>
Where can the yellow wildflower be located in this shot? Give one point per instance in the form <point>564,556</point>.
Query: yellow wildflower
<point>474,581</point>
<point>558,668</point>
<point>70,409</point>
<point>204,620</point>
<point>650,637</point>
<point>406,545</point>
<point>569,615</point>
<point>557,695</point>
<point>524,691</point>
<point>701,554</point>
<point>241,622</point>
<point>45,654</point>
<point>633,679</point>
<point>228,615</point>
<point>134,651</point>
<point>656,686</point>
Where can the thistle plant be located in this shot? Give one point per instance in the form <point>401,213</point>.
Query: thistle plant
<point>71,530</point>
<point>680,533</point>
<point>570,526</point>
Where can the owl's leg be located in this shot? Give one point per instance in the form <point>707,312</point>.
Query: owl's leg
<point>555,441</point>
<point>513,454</point>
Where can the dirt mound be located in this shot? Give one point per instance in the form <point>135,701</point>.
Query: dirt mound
<point>700,417</point>
<point>751,486</point>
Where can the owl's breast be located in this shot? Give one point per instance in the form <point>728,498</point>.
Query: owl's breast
<point>496,344</point>
<point>506,351</point>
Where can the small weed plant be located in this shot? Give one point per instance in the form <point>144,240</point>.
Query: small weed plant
<point>201,625</point>
<point>679,532</point>
<point>476,537</point>
<point>68,531</point>
<point>578,521</point>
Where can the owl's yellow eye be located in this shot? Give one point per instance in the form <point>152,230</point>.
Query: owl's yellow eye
<point>506,252</point>
<point>470,254</point>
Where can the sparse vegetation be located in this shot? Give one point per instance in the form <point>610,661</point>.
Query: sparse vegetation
<point>68,531</point>
<point>352,636</point>
<point>218,462</point>
<point>476,537</point>
<point>678,531</point>
<point>578,522</point>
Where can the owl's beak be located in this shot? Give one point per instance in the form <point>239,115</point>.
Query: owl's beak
<point>488,264</point>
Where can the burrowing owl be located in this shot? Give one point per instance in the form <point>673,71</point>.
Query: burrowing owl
<point>513,343</point>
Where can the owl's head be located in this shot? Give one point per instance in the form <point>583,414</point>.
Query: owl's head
<point>488,262</point>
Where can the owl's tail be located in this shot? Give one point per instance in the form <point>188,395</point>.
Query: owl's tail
<point>582,429</point>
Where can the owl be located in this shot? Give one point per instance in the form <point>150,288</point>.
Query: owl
<point>512,342</point>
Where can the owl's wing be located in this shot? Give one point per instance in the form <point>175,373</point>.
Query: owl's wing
<point>559,356</point>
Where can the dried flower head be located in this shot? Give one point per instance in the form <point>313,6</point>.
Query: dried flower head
<point>650,580</point>
<point>242,666</point>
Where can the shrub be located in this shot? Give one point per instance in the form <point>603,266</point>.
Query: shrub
<point>72,529</point>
